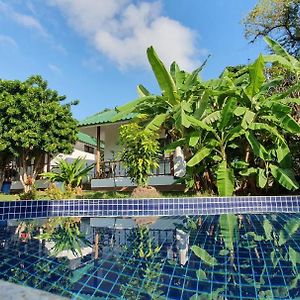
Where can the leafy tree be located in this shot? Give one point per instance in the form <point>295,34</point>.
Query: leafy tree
<point>279,19</point>
<point>71,174</point>
<point>34,123</point>
<point>140,152</point>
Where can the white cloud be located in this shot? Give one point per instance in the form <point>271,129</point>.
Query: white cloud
<point>22,19</point>
<point>55,69</point>
<point>123,29</point>
<point>6,40</point>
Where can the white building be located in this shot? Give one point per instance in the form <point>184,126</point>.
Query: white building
<point>109,173</point>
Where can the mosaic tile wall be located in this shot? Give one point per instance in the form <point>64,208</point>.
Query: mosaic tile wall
<point>28,209</point>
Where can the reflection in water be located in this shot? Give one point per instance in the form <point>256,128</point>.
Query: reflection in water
<point>208,257</point>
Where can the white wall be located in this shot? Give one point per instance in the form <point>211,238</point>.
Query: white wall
<point>77,152</point>
<point>111,137</point>
<point>126,182</point>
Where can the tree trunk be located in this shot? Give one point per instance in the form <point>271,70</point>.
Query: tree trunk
<point>26,179</point>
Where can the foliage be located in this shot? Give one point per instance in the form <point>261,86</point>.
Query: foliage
<point>33,123</point>
<point>30,195</point>
<point>55,193</point>
<point>140,152</point>
<point>142,248</point>
<point>277,18</point>
<point>65,234</point>
<point>271,239</point>
<point>232,129</point>
<point>71,174</point>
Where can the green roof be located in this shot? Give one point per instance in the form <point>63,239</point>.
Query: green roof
<point>103,117</point>
<point>87,139</point>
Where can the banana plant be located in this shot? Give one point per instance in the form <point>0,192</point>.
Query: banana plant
<point>245,113</point>
<point>232,128</point>
<point>177,99</point>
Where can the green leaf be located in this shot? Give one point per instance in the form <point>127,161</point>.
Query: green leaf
<point>128,108</point>
<point>199,156</point>
<point>289,229</point>
<point>163,77</point>
<point>192,78</point>
<point>204,255</point>
<point>223,252</point>
<point>172,146</point>
<point>294,257</point>
<point>268,128</point>
<point>201,275</point>
<point>247,119</point>
<point>177,75</point>
<point>256,237</point>
<point>258,149</point>
<point>249,171</point>
<point>234,133</point>
<point>156,123</point>
<point>262,178</point>
<point>142,91</point>
<point>239,164</point>
<point>257,77</point>
<point>212,117</point>
<point>292,226</point>
<point>180,116</point>
<point>281,55</point>
<point>285,177</point>
<point>227,113</point>
<point>225,180</point>
<point>202,105</point>
<point>268,228</point>
<point>199,124</point>
<point>229,226</point>
<point>284,155</point>
<point>239,111</point>
<point>289,124</point>
<point>194,139</point>
<point>274,258</point>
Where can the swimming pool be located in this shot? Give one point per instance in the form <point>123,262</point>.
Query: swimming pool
<point>200,257</point>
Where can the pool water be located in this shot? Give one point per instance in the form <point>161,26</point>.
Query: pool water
<point>205,257</point>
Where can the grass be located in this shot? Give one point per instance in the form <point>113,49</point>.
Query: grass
<point>13,197</point>
<point>41,195</point>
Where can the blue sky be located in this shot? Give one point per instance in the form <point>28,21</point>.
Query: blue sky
<point>94,50</point>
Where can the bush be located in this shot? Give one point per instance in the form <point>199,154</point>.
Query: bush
<point>30,195</point>
<point>55,193</point>
<point>140,152</point>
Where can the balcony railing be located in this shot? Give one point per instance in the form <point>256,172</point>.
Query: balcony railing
<point>115,168</point>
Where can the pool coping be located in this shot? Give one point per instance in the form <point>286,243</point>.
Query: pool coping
<point>12,291</point>
<point>143,207</point>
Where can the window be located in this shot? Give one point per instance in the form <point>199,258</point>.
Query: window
<point>89,149</point>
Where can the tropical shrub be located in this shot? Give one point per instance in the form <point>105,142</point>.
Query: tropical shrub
<point>65,234</point>
<point>30,195</point>
<point>71,174</point>
<point>140,152</point>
